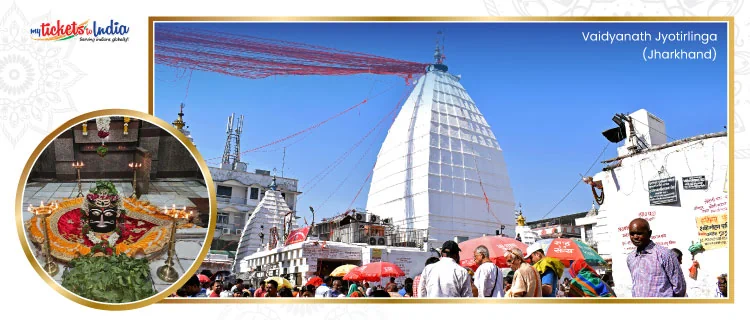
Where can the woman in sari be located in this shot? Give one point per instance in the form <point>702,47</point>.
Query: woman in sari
<point>586,282</point>
<point>354,291</point>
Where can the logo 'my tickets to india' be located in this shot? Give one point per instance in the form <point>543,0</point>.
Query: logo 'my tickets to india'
<point>58,31</point>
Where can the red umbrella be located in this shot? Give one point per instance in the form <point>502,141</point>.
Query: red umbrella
<point>496,245</point>
<point>377,270</point>
<point>354,275</point>
<point>203,278</point>
<point>569,250</point>
<point>315,281</point>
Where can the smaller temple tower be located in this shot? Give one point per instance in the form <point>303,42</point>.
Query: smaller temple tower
<point>181,125</point>
<point>269,214</point>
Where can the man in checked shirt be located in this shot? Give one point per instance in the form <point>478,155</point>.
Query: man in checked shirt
<point>654,268</point>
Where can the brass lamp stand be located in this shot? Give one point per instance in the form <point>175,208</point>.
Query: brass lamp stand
<point>134,166</point>
<point>167,272</point>
<point>43,212</point>
<point>78,165</point>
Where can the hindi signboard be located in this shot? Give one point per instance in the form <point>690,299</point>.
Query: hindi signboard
<point>377,254</point>
<point>694,183</point>
<point>713,230</point>
<point>662,191</point>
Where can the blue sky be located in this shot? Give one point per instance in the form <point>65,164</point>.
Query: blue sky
<point>546,93</point>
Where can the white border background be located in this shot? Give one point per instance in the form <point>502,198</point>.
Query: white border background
<point>75,78</point>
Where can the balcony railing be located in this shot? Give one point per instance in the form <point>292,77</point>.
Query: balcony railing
<point>229,199</point>
<point>373,235</point>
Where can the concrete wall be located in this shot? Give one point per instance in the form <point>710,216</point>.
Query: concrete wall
<point>168,157</point>
<point>674,225</point>
<point>175,159</point>
<point>44,167</point>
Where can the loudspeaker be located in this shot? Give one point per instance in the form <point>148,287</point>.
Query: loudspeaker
<point>359,217</point>
<point>376,241</point>
<point>381,241</point>
<point>374,218</point>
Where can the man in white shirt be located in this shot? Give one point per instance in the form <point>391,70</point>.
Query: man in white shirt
<point>368,288</point>
<point>323,290</point>
<point>445,278</point>
<point>488,279</point>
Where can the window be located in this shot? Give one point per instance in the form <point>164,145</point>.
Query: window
<point>222,218</point>
<point>254,193</point>
<point>224,192</point>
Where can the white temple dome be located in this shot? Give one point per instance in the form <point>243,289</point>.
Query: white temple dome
<point>430,166</point>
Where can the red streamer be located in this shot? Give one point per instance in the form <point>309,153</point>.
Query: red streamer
<point>254,57</point>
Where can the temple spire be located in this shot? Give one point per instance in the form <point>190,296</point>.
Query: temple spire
<point>273,183</point>
<point>439,54</point>
<point>179,123</point>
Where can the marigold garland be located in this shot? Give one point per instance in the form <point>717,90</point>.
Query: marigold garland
<point>152,242</point>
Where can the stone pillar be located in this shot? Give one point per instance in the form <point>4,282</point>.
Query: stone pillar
<point>144,173</point>
<point>45,165</point>
<point>150,135</point>
<point>64,157</point>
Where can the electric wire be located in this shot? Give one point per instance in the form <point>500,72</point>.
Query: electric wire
<point>577,182</point>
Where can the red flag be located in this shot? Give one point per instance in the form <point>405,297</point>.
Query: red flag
<point>297,235</point>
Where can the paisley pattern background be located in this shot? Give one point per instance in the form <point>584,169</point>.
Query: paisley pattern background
<point>34,77</point>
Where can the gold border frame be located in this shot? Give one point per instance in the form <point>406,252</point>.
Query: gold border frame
<point>355,19</point>
<point>48,140</point>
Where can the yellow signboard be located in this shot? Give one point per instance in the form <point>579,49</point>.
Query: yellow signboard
<point>377,254</point>
<point>713,230</point>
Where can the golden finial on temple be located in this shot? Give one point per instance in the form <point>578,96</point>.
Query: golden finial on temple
<point>519,217</point>
<point>179,123</point>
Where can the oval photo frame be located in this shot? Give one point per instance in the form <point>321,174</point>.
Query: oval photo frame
<point>44,144</point>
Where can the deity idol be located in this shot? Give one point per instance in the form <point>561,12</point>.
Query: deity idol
<point>102,208</point>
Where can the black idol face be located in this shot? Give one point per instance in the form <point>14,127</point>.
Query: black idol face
<point>103,220</point>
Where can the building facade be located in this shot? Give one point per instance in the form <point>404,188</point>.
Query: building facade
<point>589,225</point>
<point>301,261</point>
<point>679,187</point>
<point>558,227</point>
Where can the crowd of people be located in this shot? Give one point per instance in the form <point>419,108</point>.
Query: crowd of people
<point>655,272</point>
<point>330,288</point>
